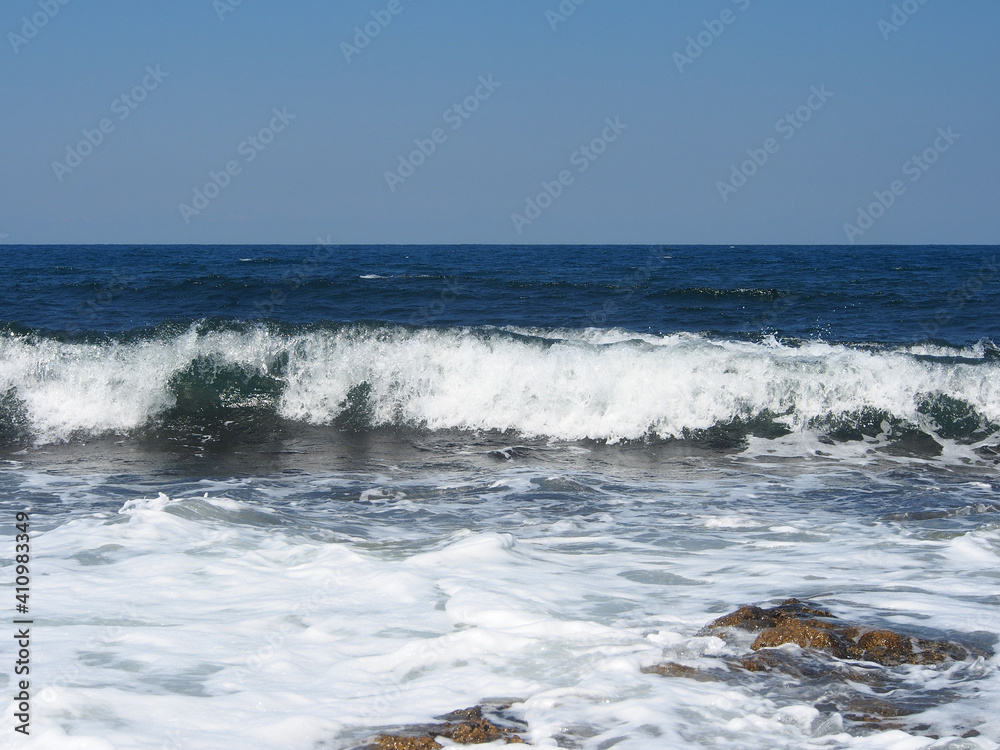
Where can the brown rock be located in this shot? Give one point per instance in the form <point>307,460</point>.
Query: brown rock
<point>805,633</point>
<point>671,669</point>
<point>797,608</point>
<point>756,664</point>
<point>473,728</point>
<point>747,618</point>
<point>809,626</point>
<point>785,663</point>
<point>935,652</point>
<point>474,732</point>
<point>754,618</point>
<point>467,726</point>
<point>871,706</point>
<point>874,721</point>
<point>465,714</point>
<point>883,647</point>
<point>840,665</point>
<point>395,742</point>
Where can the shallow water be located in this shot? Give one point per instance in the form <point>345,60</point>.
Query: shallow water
<point>311,608</point>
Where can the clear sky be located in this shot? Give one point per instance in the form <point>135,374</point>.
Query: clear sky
<point>693,91</point>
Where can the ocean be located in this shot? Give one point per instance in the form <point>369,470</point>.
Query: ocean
<point>300,497</point>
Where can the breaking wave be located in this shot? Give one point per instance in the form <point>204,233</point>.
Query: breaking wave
<point>597,384</point>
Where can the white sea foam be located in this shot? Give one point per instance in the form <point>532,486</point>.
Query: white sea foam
<point>217,616</point>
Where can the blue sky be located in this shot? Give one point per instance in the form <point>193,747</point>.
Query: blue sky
<point>685,118</point>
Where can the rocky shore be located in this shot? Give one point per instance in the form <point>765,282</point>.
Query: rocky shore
<point>846,669</point>
<point>855,673</point>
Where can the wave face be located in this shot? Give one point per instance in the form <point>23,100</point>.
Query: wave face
<point>597,384</point>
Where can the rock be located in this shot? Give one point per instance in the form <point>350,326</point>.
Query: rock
<point>841,667</point>
<point>754,618</point>
<point>672,669</point>
<point>884,647</point>
<point>467,727</point>
<point>745,618</point>
<point>392,742</point>
<point>809,626</point>
<point>806,634</point>
<point>872,707</point>
<point>474,728</point>
<point>770,660</point>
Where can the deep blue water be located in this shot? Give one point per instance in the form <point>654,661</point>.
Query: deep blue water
<point>710,345</point>
<point>892,295</point>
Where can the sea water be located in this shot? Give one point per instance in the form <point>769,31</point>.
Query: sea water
<point>293,497</point>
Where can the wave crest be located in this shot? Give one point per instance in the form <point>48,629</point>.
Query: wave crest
<point>570,385</point>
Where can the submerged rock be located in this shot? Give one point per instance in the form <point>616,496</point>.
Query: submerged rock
<point>755,618</point>
<point>474,728</point>
<point>809,626</point>
<point>392,742</point>
<point>841,667</point>
<point>468,726</point>
<point>672,669</point>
